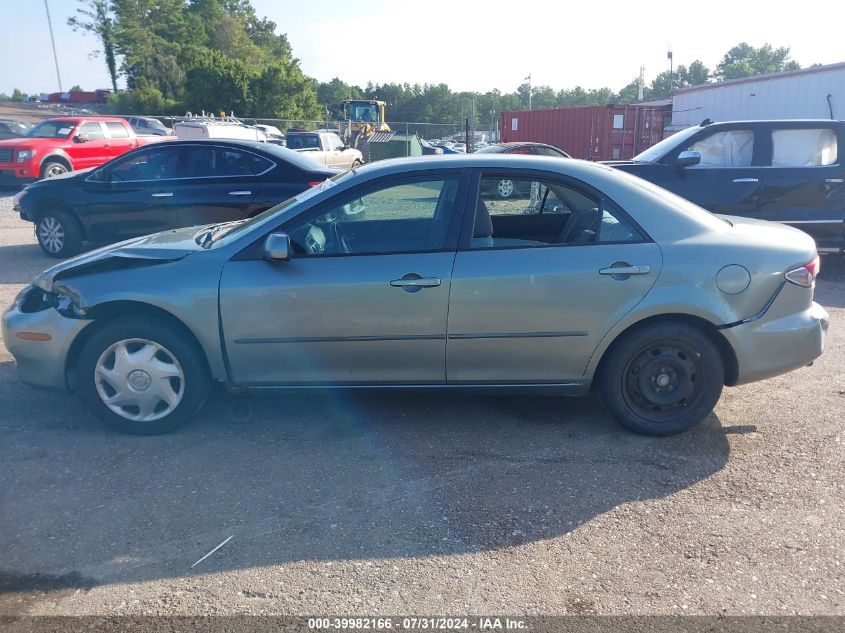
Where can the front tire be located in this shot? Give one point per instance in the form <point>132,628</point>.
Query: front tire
<point>52,168</point>
<point>59,234</point>
<point>662,379</point>
<point>142,376</point>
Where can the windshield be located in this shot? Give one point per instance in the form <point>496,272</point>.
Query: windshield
<point>52,129</point>
<point>656,152</point>
<point>232,229</point>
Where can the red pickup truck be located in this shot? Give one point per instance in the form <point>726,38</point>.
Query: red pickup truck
<point>57,146</point>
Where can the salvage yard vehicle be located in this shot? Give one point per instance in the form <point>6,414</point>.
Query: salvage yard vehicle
<point>788,171</point>
<point>57,146</point>
<point>12,128</point>
<point>148,126</point>
<point>165,186</point>
<point>507,188</point>
<point>201,128</point>
<point>324,146</point>
<point>400,274</point>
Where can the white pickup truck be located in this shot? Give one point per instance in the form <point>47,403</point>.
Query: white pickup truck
<point>325,147</point>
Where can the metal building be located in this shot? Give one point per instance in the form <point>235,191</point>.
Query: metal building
<point>811,93</point>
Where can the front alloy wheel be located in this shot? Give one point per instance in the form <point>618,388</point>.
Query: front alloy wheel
<point>58,234</point>
<point>51,234</point>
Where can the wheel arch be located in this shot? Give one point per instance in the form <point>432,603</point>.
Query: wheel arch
<point>110,310</point>
<point>53,204</point>
<point>55,157</point>
<point>729,359</point>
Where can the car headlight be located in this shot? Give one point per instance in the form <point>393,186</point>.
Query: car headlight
<point>34,299</point>
<point>24,154</point>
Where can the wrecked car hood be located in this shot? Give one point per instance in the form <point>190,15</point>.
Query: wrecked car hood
<point>157,248</point>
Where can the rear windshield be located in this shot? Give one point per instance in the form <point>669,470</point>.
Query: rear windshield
<point>491,149</point>
<point>52,129</point>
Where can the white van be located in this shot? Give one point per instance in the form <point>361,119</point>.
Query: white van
<point>192,129</point>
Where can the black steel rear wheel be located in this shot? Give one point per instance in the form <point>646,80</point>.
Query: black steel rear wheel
<point>662,378</point>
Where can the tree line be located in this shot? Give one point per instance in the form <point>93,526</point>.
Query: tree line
<point>219,55</point>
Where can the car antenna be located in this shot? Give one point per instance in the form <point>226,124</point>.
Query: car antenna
<point>706,121</point>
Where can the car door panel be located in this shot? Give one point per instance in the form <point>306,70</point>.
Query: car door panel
<point>535,315</point>
<point>335,320</point>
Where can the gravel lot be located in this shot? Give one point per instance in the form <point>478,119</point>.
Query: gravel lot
<point>408,504</point>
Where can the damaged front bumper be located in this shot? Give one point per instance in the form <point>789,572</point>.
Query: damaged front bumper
<point>40,343</point>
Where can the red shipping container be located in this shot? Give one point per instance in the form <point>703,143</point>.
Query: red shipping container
<point>608,132</point>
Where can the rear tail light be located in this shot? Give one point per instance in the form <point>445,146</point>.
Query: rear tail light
<point>806,275</point>
<point>314,183</point>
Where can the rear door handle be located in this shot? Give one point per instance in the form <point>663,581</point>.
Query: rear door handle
<point>162,195</point>
<point>746,180</point>
<point>422,282</point>
<point>412,282</point>
<point>834,181</point>
<point>240,193</point>
<point>625,270</point>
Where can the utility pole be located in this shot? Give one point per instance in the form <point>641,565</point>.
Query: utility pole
<point>529,90</point>
<point>53,40</point>
<point>671,69</point>
<point>641,84</point>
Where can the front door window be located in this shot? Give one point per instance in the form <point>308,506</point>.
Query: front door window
<point>407,217</point>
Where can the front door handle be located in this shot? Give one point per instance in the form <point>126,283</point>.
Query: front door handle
<point>834,181</point>
<point>240,193</point>
<point>412,282</point>
<point>746,180</point>
<point>162,195</point>
<point>625,270</point>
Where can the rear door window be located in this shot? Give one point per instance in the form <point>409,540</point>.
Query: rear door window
<point>204,162</point>
<point>814,147</point>
<point>117,130</point>
<point>731,148</point>
<point>93,130</point>
<point>544,213</point>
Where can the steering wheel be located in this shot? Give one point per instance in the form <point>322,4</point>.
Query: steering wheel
<point>337,237</point>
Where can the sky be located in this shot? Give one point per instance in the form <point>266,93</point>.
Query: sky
<point>469,45</point>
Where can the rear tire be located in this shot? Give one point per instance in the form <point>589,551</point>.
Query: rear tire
<point>662,379</point>
<point>58,234</point>
<point>142,376</point>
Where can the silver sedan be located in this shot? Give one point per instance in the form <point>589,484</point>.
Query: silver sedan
<point>407,274</point>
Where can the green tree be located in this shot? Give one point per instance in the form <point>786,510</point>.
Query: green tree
<point>217,83</point>
<point>282,91</point>
<point>144,99</point>
<point>17,95</point>
<point>97,17</point>
<point>76,88</point>
<point>744,60</point>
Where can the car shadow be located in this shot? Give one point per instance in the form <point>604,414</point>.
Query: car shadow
<point>317,476</point>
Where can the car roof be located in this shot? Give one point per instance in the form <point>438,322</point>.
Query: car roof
<point>482,161</point>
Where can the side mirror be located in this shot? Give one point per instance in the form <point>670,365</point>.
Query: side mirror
<point>277,247</point>
<point>81,138</point>
<point>687,158</point>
